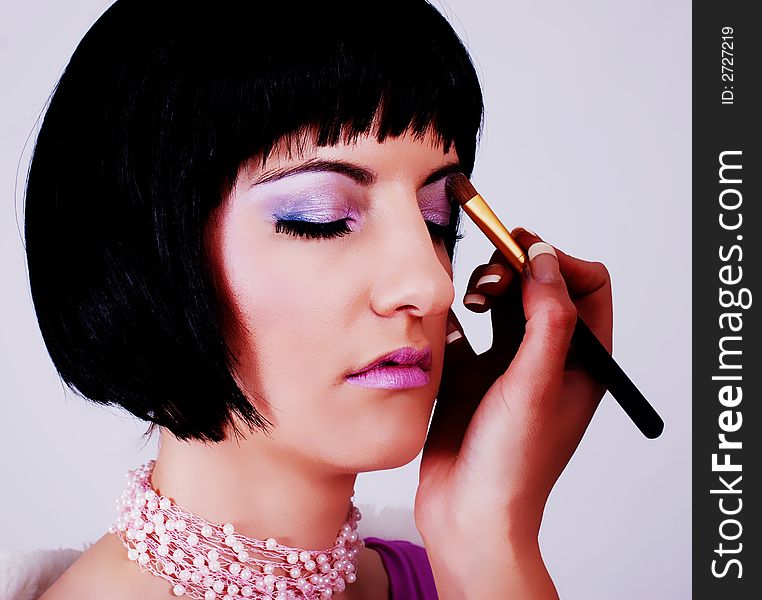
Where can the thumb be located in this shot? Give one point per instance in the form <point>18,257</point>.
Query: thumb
<point>551,317</point>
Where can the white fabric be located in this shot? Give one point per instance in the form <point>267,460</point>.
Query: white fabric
<point>26,576</point>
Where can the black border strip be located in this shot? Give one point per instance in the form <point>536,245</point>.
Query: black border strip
<point>727,268</point>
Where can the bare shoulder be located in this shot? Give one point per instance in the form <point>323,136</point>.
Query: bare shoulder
<point>102,571</point>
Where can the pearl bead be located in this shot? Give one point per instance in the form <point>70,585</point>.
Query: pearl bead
<point>230,540</point>
<point>246,591</point>
<point>228,528</point>
<point>295,572</point>
<point>180,525</point>
<point>162,550</point>
<point>246,574</point>
<point>214,566</point>
<point>304,556</point>
<point>218,586</point>
<point>243,556</point>
<point>169,568</point>
<point>164,503</point>
<point>178,590</point>
<point>209,595</point>
<point>281,585</point>
<point>198,561</point>
<point>234,568</point>
<point>268,569</point>
<point>321,558</point>
<point>178,555</point>
<point>271,543</point>
<point>233,589</point>
<point>269,580</point>
<point>213,555</point>
<point>185,575</point>
<point>170,525</point>
<point>206,531</point>
<point>143,559</point>
<point>309,565</point>
<point>237,547</point>
<point>351,577</point>
<point>141,546</point>
<point>208,581</point>
<point>192,539</point>
<point>148,527</point>
<point>132,554</point>
<point>292,558</point>
<point>195,577</point>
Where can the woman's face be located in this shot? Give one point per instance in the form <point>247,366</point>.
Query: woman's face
<point>313,309</point>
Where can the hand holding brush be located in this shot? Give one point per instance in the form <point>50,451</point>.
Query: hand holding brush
<point>587,349</point>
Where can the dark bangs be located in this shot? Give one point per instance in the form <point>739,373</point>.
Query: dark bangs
<point>160,105</point>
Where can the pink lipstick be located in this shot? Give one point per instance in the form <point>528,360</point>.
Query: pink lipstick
<point>403,368</point>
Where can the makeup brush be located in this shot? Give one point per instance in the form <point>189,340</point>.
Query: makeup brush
<point>588,348</point>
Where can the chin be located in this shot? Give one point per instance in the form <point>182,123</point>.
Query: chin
<point>387,446</point>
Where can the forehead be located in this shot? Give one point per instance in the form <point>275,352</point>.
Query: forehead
<point>407,154</point>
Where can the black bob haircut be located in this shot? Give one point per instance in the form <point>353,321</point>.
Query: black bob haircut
<point>160,105</point>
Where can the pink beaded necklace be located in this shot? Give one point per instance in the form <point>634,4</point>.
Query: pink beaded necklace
<point>206,561</point>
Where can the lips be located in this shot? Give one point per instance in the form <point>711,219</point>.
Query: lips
<point>405,356</point>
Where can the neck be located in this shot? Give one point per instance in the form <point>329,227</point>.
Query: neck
<point>253,484</point>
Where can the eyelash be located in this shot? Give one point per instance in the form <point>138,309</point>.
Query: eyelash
<point>339,228</point>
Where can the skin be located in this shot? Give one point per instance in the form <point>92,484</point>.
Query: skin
<point>302,313</point>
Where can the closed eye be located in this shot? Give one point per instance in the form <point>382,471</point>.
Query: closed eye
<point>334,229</point>
<point>309,229</point>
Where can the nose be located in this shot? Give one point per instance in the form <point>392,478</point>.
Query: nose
<point>414,270</point>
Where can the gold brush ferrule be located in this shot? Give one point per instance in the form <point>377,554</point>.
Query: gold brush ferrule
<point>481,214</point>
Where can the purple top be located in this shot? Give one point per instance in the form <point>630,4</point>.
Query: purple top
<point>408,568</point>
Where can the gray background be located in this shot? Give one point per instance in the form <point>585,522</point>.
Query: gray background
<point>587,142</point>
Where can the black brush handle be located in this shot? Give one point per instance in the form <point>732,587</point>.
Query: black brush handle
<point>600,364</point>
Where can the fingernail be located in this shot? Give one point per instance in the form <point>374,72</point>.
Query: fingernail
<point>452,336</point>
<point>494,278</point>
<point>544,262</point>
<point>474,298</point>
<point>452,332</point>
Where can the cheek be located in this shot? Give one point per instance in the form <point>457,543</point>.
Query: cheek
<point>292,311</point>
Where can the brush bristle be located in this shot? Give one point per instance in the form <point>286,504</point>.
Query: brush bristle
<point>459,187</point>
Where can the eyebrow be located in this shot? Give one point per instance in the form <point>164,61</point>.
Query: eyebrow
<point>361,175</point>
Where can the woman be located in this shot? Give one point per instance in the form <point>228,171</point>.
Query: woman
<point>230,214</point>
